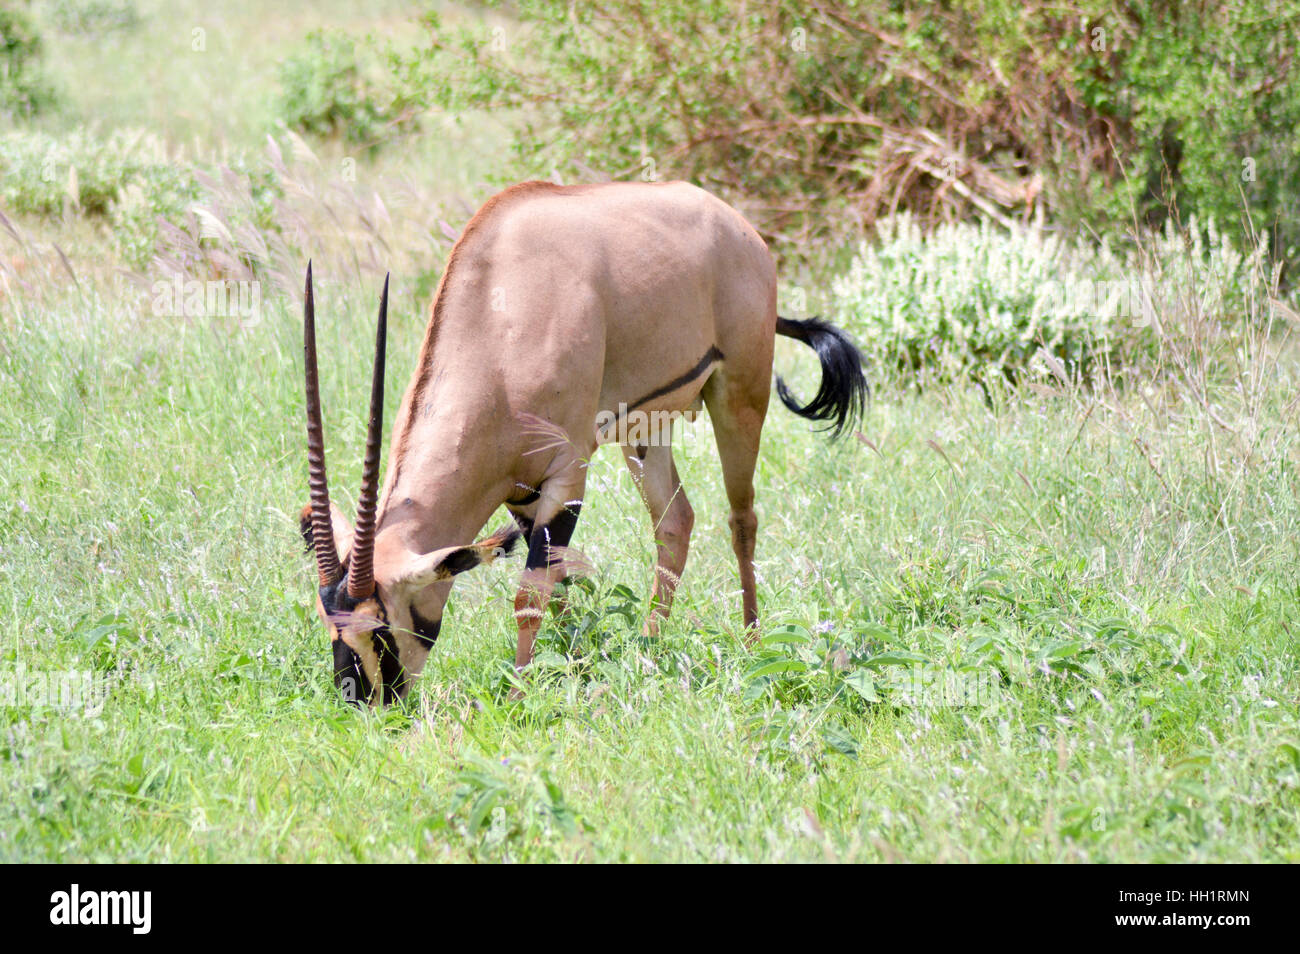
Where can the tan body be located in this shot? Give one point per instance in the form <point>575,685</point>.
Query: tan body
<point>557,304</point>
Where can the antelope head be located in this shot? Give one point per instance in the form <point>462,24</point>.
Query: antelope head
<point>368,614</point>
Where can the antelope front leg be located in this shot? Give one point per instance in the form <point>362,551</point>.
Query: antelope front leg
<point>535,588</point>
<point>544,569</point>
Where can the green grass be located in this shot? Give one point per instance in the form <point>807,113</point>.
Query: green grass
<point>205,90</point>
<point>1146,706</point>
<point>1117,571</point>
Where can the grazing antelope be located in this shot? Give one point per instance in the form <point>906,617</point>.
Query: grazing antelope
<point>558,305</point>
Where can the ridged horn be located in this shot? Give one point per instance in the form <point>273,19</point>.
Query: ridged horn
<point>322,531</point>
<point>361,567</point>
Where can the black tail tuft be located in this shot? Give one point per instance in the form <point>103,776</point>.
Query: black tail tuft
<point>843,394</point>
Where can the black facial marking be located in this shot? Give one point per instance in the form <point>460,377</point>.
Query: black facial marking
<point>390,666</point>
<point>710,356</point>
<point>426,631</point>
<point>557,533</point>
<point>335,597</point>
<point>349,675</point>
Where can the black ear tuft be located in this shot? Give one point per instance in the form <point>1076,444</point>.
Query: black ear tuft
<point>458,561</point>
<point>304,527</point>
<point>498,544</point>
<point>508,540</point>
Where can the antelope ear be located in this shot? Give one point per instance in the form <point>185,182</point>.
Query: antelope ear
<point>443,564</point>
<point>342,530</point>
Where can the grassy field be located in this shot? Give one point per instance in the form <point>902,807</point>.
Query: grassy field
<point>1115,573</point>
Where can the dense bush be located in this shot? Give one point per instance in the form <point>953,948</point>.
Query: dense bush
<point>45,174</point>
<point>327,90</point>
<point>1203,103</point>
<point>128,178</point>
<point>22,91</point>
<point>979,298</point>
<point>820,114</point>
<point>90,16</point>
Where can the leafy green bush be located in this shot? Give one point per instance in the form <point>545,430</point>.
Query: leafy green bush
<point>45,174</point>
<point>90,16</point>
<point>150,194</point>
<point>22,92</point>
<point>1203,103</point>
<point>976,297</point>
<point>822,115</point>
<point>232,229</point>
<point>128,178</point>
<point>327,91</point>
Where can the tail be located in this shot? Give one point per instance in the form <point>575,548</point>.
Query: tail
<point>843,394</point>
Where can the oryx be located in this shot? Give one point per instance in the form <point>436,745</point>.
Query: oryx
<point>559,306</point>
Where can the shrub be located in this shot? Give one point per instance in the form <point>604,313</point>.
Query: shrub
<point>979,298</point>
<point>232,230</point>
<point>91,16</point>
<point>1203,103</point>
<point>822,114</point>
<point>129,179</point>
<point>22,92</point>
<point>327,91</point>
<point>45,174</point>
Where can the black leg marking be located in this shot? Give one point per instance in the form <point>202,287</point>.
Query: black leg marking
<point>557,533</point>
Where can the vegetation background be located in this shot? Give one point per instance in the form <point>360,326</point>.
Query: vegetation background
<point>1040,607</point>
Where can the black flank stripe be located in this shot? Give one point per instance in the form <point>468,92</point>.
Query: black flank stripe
<point>712,355</point>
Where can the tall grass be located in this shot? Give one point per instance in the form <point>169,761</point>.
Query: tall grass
<point>1138,632</point>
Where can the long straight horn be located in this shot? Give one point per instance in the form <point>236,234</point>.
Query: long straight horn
<point>322,531</point>
<point>361,571</point>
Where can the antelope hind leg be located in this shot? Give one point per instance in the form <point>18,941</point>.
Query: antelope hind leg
<point>737,425</point>
<point>671,519</point>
